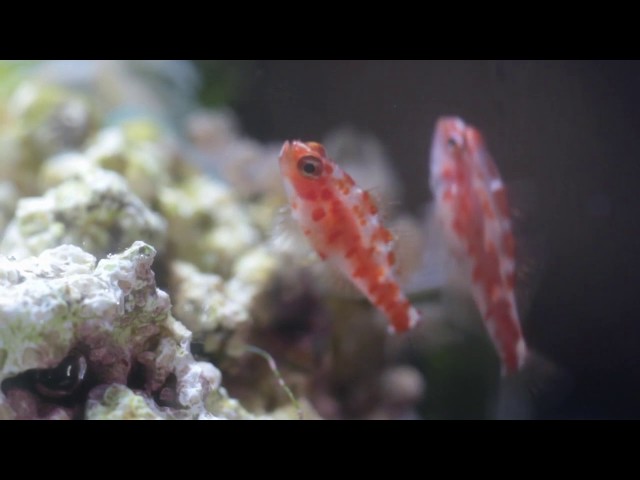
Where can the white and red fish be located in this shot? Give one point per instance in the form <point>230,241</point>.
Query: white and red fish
<point>472,207</point>
<point>341,222</point>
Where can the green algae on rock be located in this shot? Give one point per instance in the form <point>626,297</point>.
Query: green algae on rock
<point>221,310</point>
<point>207,224</point>
<point>38,121</point>
<point>117,402</point>
<point>138,151</point>
<point>8,198</point>
<point>202,302</point>
<point>95,210</point>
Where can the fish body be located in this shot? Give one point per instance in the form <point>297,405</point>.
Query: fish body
<point>472,208</point>
<point>342,223</point>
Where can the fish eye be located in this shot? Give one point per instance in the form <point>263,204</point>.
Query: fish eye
<point>452,143</point>
<point>310,166</point>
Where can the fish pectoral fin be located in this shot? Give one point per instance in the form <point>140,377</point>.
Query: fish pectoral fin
<point>384,208</point>
<point>289,240</point>
<point>335,283</point>
<point>531,240</point>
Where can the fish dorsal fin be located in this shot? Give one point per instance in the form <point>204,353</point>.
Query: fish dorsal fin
<point>407,248</point>
<point>530,235</point>
<point>334,282</point>
<point>364,157</point>
<point>384,208</point>
<point>287,239</point>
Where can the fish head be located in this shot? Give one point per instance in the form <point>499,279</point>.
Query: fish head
<point>305,168</point>
<point>474,141</point>
<point>449,151</point>
<point>459,152</point>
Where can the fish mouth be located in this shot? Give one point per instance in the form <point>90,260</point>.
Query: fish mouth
<point>285,147</point>
<point>450,126</point>
<point>290,152</point>
<point>284,157</point>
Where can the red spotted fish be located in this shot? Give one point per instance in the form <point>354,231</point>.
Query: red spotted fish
<point>472,207</point>
<point>342,223</point>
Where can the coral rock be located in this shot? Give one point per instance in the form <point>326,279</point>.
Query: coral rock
<point>95,210</point>
<point>107,319</point>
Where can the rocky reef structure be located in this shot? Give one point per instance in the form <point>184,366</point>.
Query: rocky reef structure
<point>82,338</point>
<point>140,275</point>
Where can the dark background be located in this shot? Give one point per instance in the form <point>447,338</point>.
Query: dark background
<point>571,128</point>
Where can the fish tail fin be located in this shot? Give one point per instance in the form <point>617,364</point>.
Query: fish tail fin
<point>538,387</point>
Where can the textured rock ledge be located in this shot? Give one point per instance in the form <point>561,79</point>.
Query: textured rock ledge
<point>96,339</point>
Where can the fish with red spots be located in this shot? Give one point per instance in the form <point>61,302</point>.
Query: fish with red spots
<point>472,208</point>
<point>342,224</point>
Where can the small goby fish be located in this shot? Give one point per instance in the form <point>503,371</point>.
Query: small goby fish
<point>471,204</point>
<point>342,224</point>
